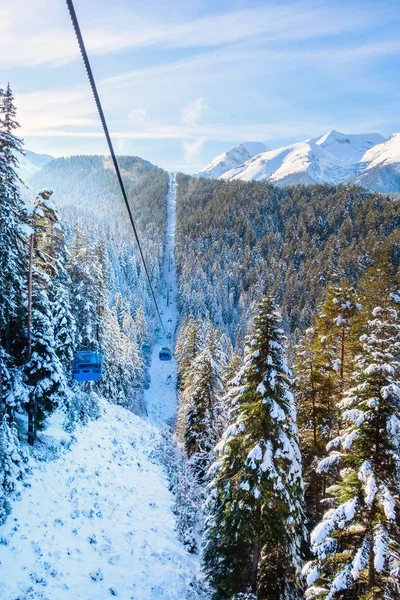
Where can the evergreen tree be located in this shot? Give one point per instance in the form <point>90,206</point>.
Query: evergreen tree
<point>44,375</point>
<point>186,349</point>
<point>188,502</point>
<point>316,395</point>
<point>204,416</point>
<point>141,326</point>
<point>12,465</point>
<point>357,543</point>
<point>254,527</point>
<point>63,319</point>
<point>88,272</point>
<point>12,225</point>
<point>334,325</point>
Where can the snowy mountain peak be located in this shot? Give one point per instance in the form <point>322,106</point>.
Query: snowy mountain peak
<point>349,148</point>
<point>363,158</point>
<point>387,152</point>
<point>253,148</point>
<point>231,159</point>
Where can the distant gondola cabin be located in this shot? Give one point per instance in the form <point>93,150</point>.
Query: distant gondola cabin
<point>165,353</point>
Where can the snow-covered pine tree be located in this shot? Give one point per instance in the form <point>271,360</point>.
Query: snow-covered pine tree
<point>255,522</point>
<point>12,464</point>
<point>122,363</point>
<point>189,497</point>
<point>187,346</point>
<point>334,326</point>
<point>357,544</point>
<point>316,389</point>
<point>63,319</point>
<point>43,373</point>
<point>204,417</point>
<point>186,349</point>
<point>141,326</point>
<point>88,271</point>
<point>12,225</point>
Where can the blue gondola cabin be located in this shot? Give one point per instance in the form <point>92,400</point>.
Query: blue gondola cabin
<point>87,366</point>
<point>165,353</point>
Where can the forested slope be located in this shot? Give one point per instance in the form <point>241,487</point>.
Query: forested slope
<point>71,278</point>
<point>236,239</point>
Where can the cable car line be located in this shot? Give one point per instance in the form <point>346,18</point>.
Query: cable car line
<point>75,23</point>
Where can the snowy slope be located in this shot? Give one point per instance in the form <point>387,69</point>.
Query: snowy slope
<point>331,158</point>
<point>97,522</point>
<point>381,166</point>
<point>31,163</point>
<point>231,159</point>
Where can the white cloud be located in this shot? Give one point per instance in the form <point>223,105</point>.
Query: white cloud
<point>192,112</point>
<point>137,115</point>
<point>45,34</point>
<point>191,150</point>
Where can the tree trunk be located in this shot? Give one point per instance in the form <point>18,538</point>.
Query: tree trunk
<point>254,566</point>
<point>32,402</point>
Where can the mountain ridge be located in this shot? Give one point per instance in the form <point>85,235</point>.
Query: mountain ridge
<point>368,159</point>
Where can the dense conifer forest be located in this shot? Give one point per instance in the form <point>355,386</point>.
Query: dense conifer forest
<point>302,487</point>
<point>235,240</point>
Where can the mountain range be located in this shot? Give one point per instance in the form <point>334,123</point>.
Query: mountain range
<point>368,159</point>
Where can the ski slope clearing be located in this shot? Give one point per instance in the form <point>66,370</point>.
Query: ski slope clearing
<point>160,398</point>
<point>96,522</point>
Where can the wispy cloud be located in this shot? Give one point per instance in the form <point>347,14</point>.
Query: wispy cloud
<point>192,112</point>
<point>45,35</point>
<point>192,150</point>
<point>137,115</point>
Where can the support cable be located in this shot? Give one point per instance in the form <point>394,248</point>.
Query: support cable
<point>75,23</point>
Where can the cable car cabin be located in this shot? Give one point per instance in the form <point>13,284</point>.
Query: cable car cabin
<point>87,366</point>
<point>165,353</point>
<point>146,347</point>
<point>169,320</point>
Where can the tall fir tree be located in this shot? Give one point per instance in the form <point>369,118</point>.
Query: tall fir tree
<point>205,411</point>
<point>12,465</point>
<point>357,544</point>
<point>63,320</point>
<point>316,388</point>
<point>44,374</point>
<point>334,325</point>
<point>254,527</point>
<point>13,264</point>
<point>187,348</point>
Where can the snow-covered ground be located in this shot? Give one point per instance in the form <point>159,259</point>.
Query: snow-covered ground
<point>97,521</point>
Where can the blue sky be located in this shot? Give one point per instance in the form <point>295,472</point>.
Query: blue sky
<point>184,80</point>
